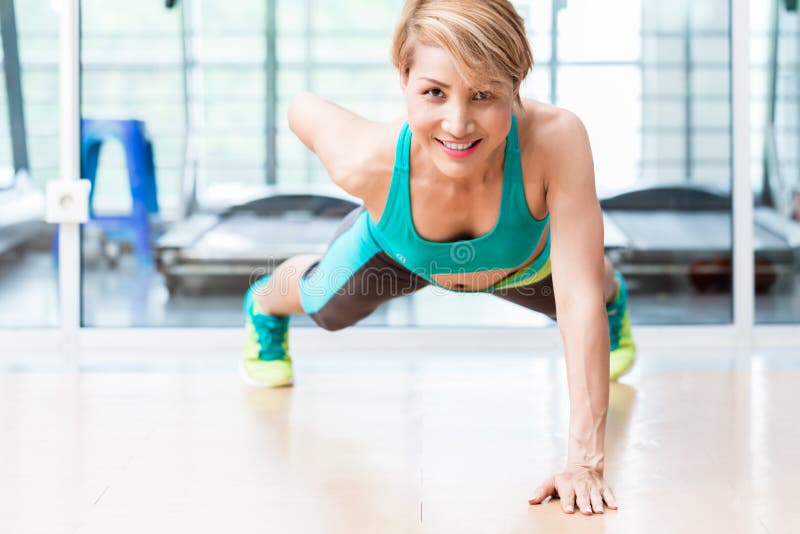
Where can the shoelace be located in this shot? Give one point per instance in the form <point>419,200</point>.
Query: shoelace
<point>270,331</point>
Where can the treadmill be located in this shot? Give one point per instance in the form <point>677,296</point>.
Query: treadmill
<point>685,230</point>
<point>651,234</point>
<point>21,203</point>
<point>21,215</point>
<point>229,248</point>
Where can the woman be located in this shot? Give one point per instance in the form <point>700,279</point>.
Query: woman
<point>468,192</point>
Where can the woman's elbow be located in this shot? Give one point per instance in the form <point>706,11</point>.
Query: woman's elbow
<point>300,115</point>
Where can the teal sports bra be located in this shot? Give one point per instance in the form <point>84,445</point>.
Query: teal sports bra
<point>508,245</point>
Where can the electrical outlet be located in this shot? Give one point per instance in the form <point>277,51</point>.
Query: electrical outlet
<point>67,201</point>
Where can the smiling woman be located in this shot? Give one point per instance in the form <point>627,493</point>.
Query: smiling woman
<point>474,190</point>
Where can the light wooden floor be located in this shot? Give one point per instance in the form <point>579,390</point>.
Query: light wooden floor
<point>396,443</point>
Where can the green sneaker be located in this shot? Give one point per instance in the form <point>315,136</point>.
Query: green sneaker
<point>266,359</point>
<point>623,350</point>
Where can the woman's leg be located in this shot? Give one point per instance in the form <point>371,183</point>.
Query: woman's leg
<point>336,297</point>
<point>268,303</point>
<point>333,305</point>
<point>280,296</point>
<point>539,296</point>
<point>336,290</point>
<point>354,277</point>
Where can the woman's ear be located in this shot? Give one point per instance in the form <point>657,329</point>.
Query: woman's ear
<point>403,78</point>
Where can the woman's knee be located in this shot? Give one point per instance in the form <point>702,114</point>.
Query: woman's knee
<point>344,310</point>
<point>330,323</point>
<point>281,295</point>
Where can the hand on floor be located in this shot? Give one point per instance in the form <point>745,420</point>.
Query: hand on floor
<point>577,484</point>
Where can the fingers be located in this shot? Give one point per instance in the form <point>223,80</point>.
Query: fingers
<point>597,500</point>
<point>588,492</point>
<point>567,495</point>
<point>608,495</point>
<point>545,490</point>
<point>582,496</point>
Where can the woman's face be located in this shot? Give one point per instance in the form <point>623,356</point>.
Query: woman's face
<point>458,127</point>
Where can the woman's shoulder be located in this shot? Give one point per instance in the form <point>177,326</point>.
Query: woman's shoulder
<point>549,137</point>
<point>544,128</point>
<point>379,144</point>
<point>375,156</point>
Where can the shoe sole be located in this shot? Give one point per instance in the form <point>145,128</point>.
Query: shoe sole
<point>626,370</point>
<point>250,382</point>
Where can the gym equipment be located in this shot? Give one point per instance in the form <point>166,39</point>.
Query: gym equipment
<point>21,204</point>
<point>141,225</point>
<point>132,134</point>
<point>679,230</point>
<point>685,229</point>
<point>245,241</point>
<point>21,214</point>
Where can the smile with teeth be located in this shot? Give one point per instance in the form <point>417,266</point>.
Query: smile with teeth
<point>458,146</point>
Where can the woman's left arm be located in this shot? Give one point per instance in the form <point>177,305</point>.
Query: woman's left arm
<point>576,231</point>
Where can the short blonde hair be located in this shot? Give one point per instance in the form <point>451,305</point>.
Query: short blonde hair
<point>486,38</point>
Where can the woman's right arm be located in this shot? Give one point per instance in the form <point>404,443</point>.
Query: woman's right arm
<point>338,137</point>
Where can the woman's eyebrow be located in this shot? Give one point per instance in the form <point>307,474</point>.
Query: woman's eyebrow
<point>437,82</point>
<point>494,83</point>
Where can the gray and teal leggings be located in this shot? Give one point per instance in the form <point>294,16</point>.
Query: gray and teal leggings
<point>355,276</point>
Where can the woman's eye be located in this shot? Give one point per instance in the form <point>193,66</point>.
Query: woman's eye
<point>437,93</point>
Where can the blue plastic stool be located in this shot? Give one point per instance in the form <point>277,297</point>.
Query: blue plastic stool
<point>134,227</point>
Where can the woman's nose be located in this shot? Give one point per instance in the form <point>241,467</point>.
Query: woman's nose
<point>457,123</point>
